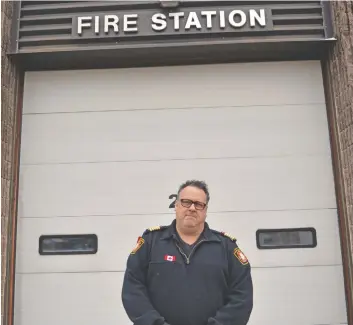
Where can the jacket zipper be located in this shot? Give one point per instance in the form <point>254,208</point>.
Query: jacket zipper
<point>188,257</point>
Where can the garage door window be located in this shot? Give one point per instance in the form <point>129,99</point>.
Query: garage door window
<point>68,244</point>
<point>286,238</point>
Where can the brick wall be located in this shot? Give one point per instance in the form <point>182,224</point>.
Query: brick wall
<point>341,68</point>
<point>9,83</point>
<point>339,73</point>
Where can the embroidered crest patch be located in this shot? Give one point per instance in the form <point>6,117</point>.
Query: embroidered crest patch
<point>140,242</point>
<point>240,256</point>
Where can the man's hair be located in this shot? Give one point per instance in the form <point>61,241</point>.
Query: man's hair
<point>198,184</point>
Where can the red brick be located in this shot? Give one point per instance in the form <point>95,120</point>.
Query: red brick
<point>7,8</point>
<point>5,151</point>
<point>4,225</point>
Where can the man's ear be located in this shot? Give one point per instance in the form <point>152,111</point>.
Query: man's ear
<point>176,203</point>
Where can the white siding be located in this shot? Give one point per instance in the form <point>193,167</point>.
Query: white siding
<point>126,188</point>
<point>238,131</point>
<point>250,84</point>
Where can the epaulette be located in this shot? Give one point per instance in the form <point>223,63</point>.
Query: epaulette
<point>154,229</point>
<point>224,234</point>
<point>229,236</point>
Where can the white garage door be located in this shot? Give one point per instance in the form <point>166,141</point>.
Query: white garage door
<point>102,151</point>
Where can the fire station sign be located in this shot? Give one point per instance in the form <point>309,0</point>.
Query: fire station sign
<point>177,22</point>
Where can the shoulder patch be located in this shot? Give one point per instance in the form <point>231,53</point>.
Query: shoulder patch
<point>154,229</point>
<point>140,242</point>
<point>240,256</point>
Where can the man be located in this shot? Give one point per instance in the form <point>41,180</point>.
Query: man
<point>187,273</point>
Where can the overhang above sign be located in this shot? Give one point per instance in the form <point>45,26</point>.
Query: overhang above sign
<point>105,34</point>
<point>146,23</point>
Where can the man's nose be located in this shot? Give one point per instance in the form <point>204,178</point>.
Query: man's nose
<point>192,207</point>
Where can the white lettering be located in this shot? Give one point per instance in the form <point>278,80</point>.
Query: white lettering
<point>208,15</point>
<point>113,23</point>
<point>242,18</point>
<point>261,18</point>
<point>81,24</point>
<point>176,16</point>
<point>159,22</point>
<point>96,24</point>
<point>200,20</point>
<point>193,20</point>
<point>222,19</point>
<point>130,26</point>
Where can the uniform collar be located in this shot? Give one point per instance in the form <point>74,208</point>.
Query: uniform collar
<point>207,233</point>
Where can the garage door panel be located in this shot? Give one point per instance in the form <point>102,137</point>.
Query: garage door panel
<point>102,152</point>
<point>144,187</point>
<point>174,87</point>
<point>243,226</point>
<point>69,298</point>
<point>282,296</point>
<point>117,236</point>
<point>84,298</point>
<point>143,135</point>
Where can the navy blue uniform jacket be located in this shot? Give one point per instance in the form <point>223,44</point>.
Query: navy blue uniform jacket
<point>212,286</point>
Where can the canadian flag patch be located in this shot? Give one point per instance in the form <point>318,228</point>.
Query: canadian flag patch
<point>169,258</point>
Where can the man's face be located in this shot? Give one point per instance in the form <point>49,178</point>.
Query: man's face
<point>188,214</point>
